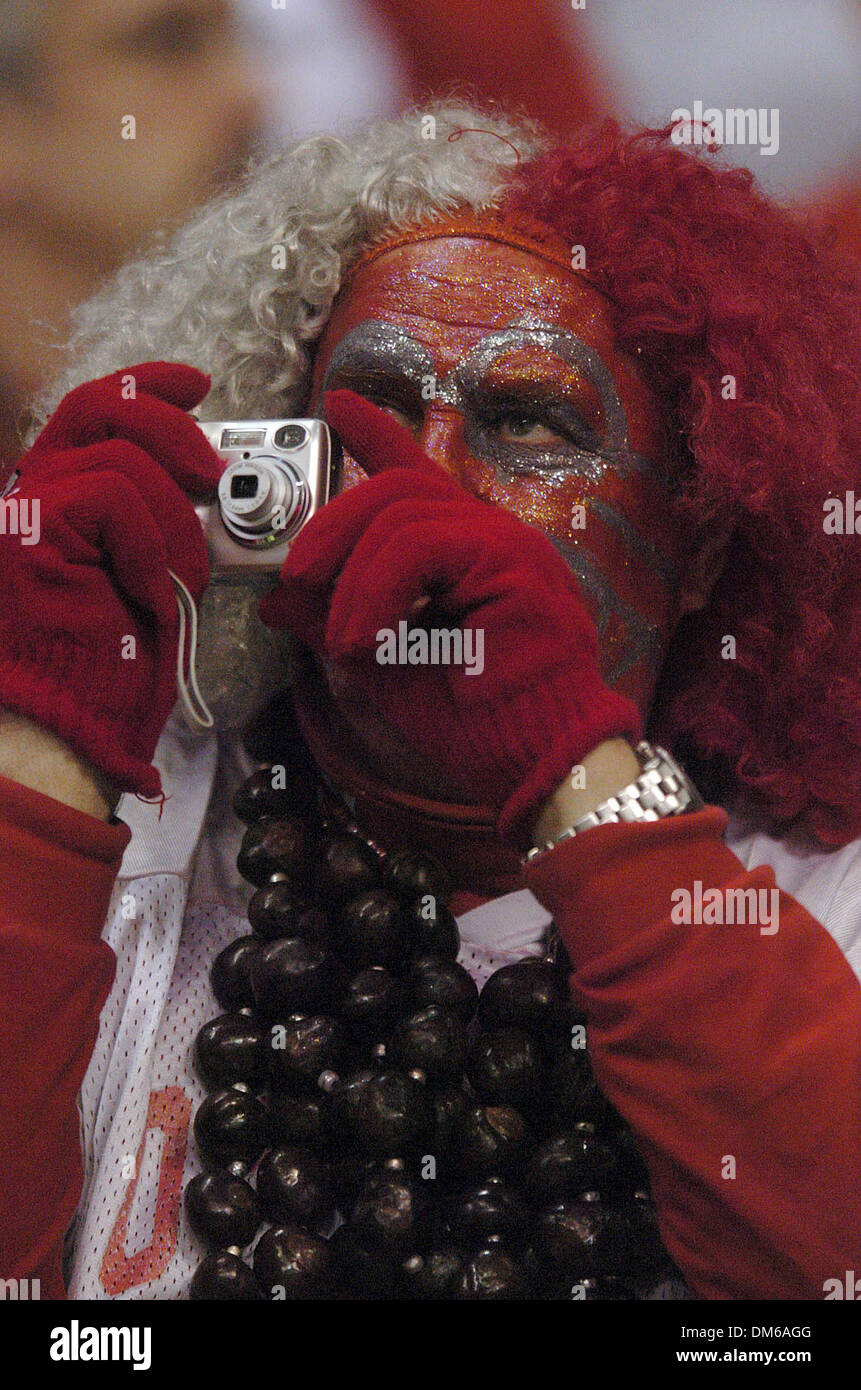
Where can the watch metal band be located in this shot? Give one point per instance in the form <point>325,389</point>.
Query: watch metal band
<point>662,789</point>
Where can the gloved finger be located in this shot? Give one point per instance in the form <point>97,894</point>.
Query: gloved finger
<point>508,551</point>
<point>128,540</point>
<point>302,611</point>
<point>321,549</point>
<point>153,416</point>
<point>171,438</point>
<point>80,410</point>
<point>459,552</point>
<point>372,437</point>
<point>415,550</point>
<point>159,497</point>
<point>464,558</point>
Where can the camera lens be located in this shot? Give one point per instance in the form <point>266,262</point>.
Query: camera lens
<point>290,437</point>
<point>261,503</point>
<point>243,485</point>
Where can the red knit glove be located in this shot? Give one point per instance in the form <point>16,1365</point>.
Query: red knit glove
<point>539,705</point>
<point>109,475</point>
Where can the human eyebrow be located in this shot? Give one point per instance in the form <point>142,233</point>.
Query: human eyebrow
<point>378,349</point>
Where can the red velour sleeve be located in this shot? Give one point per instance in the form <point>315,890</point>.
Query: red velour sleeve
<point>57,869</point>
<point>735,1055</point>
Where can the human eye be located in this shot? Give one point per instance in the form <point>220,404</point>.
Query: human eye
<point>524,427</point>
<point>546,426</point>
<point>396,411</point>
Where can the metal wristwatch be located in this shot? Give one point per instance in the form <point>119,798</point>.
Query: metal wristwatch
<point>662,789</point>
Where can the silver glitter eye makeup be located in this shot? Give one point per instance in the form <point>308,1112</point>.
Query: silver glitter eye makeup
<point>592,459</point>
<point>375,348</point>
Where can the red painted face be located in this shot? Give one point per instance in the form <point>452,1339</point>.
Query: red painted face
<point>505,368</point>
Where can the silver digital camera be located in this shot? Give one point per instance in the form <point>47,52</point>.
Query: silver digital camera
<point>277,474</point>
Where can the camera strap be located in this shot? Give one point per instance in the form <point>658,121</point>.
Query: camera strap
<point>197,714</point>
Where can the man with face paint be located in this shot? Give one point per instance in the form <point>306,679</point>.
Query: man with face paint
<point>532,408</point>
<point>523,352</point>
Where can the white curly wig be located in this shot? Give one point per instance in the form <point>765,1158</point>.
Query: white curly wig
<point>212,295</point>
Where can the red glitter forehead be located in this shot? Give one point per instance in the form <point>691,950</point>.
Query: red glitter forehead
<point>508,229</point>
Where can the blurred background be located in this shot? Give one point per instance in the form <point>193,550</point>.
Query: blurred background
<point>116,119</point>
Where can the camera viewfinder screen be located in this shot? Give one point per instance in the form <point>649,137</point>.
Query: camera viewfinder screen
<point>243,485</point>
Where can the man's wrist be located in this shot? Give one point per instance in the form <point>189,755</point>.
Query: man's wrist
<point>658,788</point>
<point>603,772</point>
<point>37,758</point>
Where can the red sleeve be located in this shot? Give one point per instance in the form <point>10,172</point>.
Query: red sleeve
<point>719,1042</point>
<point>57,869</point>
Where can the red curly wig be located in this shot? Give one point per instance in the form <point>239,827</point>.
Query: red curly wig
<point>710,279</point>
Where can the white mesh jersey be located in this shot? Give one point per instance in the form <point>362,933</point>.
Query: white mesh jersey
<point>177,901</point>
